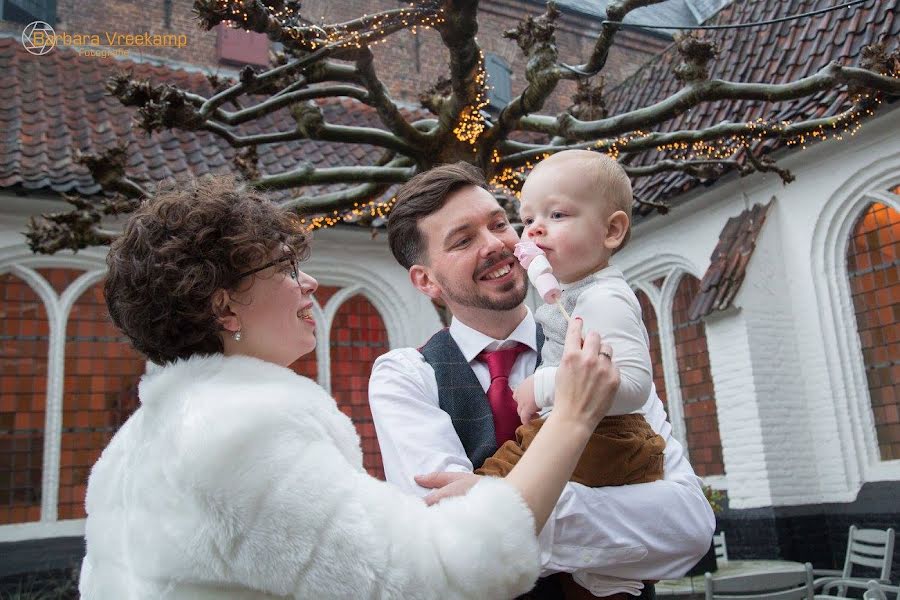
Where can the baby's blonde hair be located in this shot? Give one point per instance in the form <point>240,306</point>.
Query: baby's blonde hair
<point>609,178</point>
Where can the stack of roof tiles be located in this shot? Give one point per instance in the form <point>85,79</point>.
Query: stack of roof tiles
<point>728,263</point>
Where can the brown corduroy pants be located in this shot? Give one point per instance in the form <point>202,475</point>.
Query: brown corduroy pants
<point>623,450</point>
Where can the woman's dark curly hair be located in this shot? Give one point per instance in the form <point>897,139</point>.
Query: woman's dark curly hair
<point>191,240</point>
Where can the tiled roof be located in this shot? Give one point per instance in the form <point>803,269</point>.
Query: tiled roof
<point>777,53</point>
<point>728,263</point>
<point>54,105</point>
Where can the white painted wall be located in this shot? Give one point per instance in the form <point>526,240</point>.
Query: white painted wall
<point>793,407</point>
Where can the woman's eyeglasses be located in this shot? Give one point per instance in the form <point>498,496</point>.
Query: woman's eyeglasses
<point>295,267</point>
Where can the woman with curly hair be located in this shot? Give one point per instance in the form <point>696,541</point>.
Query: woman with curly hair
<point>237,478</point>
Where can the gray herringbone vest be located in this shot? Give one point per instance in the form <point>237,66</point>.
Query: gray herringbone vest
<point>461,396</point>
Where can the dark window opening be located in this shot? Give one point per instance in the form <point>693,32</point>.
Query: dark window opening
<point>27,11</point>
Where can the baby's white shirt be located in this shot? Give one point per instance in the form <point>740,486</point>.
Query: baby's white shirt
<point>607,305</point>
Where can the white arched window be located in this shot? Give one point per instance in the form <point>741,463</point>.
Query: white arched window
<point>854,248</point>
<point>69,378</point>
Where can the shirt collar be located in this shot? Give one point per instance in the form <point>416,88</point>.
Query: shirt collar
<point>471,341</point>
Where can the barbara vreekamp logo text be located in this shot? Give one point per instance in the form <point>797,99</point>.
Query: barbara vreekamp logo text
<point>39,38</point>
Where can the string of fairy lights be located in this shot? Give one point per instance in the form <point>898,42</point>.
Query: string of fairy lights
<point>373,209</point>
<point>362,32</point>
<point>844,124</point>
<point>471,123</point>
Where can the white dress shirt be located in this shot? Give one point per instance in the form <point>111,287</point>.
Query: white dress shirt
<point>652,530</point>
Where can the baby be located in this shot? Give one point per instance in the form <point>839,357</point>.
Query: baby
<point>576,207</point>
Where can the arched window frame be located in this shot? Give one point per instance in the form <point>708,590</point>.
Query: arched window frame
<point>18,260</point>
<point>845,366</point>
<point>640,274</point>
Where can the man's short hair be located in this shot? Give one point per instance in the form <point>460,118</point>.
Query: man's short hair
<point>421,196</point>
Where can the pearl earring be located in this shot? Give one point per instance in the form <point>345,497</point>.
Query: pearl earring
<point>237,335</point>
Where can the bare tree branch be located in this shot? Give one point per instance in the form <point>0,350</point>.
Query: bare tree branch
<point>702,169</point>
<point>828,77</point>
<point>723,131</point>
<point>343,198</point>
<point>307,174</point>
<point>764,164</point>
<point>615,11</point>
<point>251,82</point>
<point>108,170</point>
<point>536,39</point>
<point>335,200</point>
<point>387,110</point>
<point>282,100</point>
<point>314,130</point>
<point>74,231</point>
<point>78,228</point>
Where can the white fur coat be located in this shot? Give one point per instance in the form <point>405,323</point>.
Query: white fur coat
<point>238,478</point>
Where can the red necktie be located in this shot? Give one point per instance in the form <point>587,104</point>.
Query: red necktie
<point>499,394</point>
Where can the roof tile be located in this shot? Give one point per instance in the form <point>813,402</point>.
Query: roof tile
<point>776,53</point>
<point>41,129</point>
<point>728,262</point>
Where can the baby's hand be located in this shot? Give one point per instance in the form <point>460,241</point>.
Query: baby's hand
<point>524,397</point>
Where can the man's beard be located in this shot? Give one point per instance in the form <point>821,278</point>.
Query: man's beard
<point>472,299</point>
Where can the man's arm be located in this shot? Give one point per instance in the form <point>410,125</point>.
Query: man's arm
<point>647,531</point>
<point>415,435</point>
<point>653,530</point>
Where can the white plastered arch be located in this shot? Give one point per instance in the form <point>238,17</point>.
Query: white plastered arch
<point>352,281</point>
<point>837,316</point>
<point>641,275</point>
<point>21,262</point>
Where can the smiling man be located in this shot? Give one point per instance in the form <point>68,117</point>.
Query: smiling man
<point>445,406</point>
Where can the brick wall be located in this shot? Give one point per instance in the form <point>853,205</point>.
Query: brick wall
<point>697,394</point>
<point>100,387</point>
<point>102,371</point>
<point>24,332</point>
<point>873,266</point>
<point>358,337</point>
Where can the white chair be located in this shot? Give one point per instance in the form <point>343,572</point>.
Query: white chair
<point>873,548</point>
<point>721,548</point>
<point>878,591</point>
<point>776,585</point>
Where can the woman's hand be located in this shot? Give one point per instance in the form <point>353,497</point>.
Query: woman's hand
<point>587,379</point>
<point>447,484</point>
